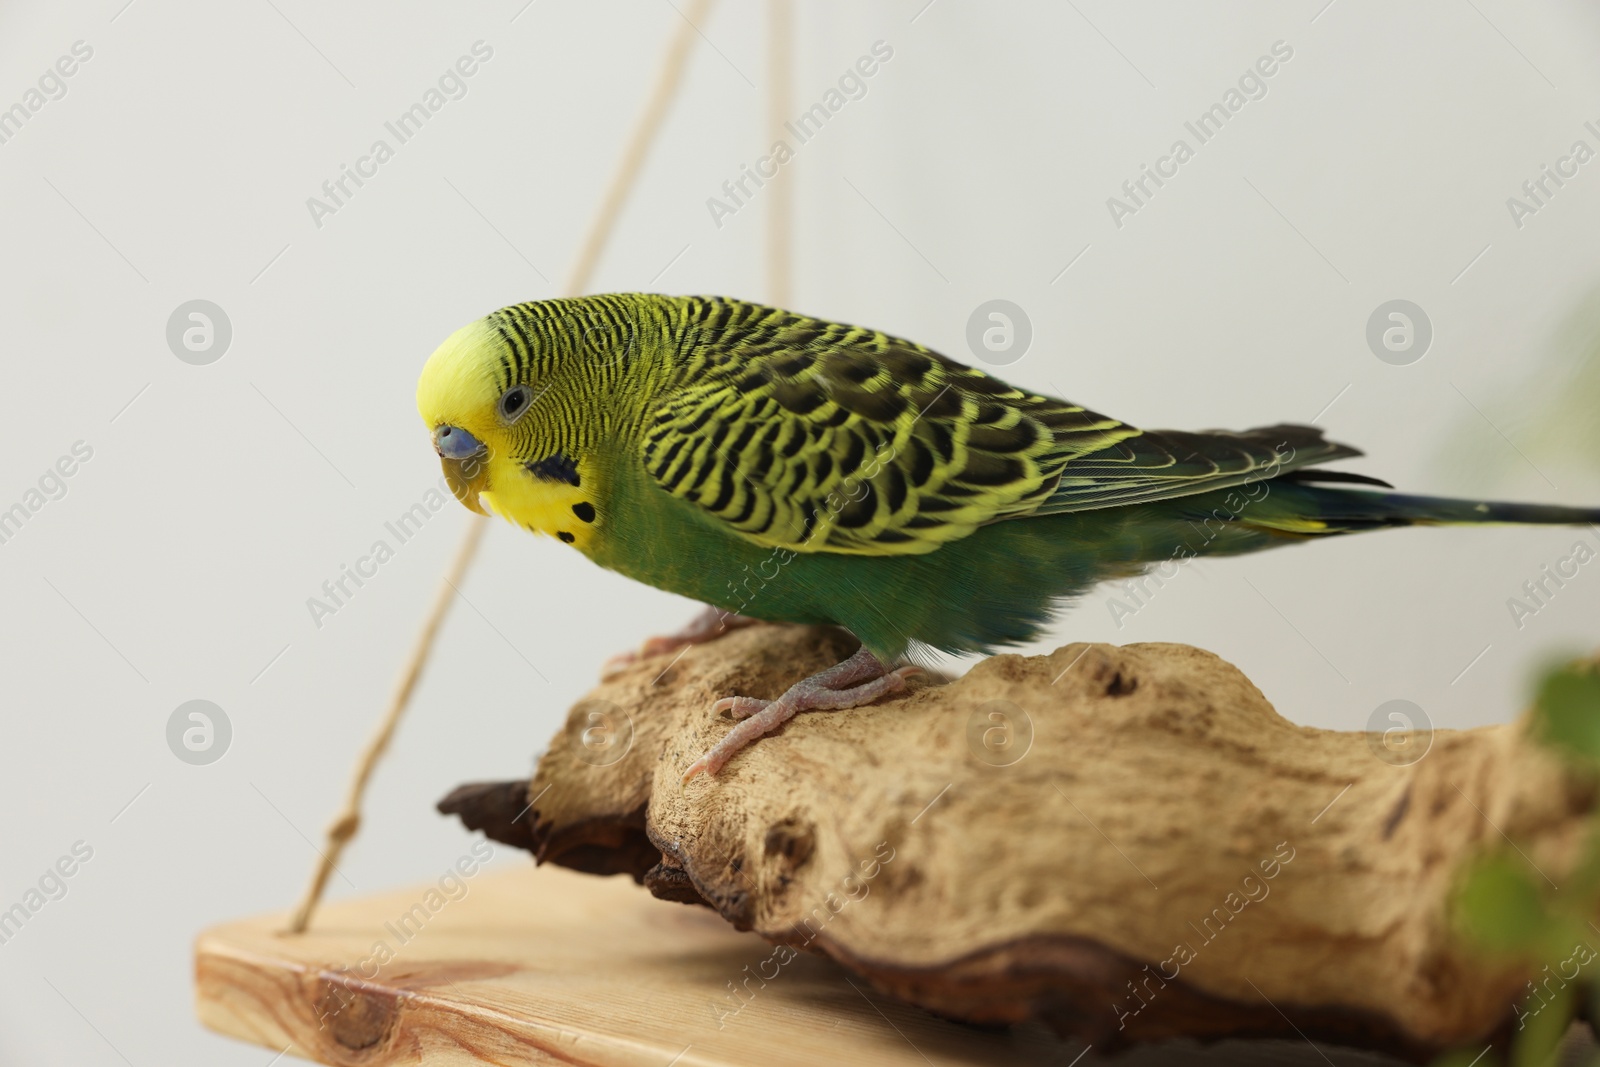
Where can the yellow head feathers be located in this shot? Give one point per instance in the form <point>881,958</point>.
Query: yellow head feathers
<point>459,386</point>
<point>489,442</point>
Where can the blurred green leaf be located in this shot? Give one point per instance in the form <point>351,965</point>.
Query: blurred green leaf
<point>1500,909</point>
<point>1584,881</point>
<point>1567,712</point>
<point>1467,1058</point>
<point>1536,1045</point>
<point>1500,905</point>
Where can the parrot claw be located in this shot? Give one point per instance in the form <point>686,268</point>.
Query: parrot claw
<point>859,680</point>
<point>709,625</point>
<point>740,707</point>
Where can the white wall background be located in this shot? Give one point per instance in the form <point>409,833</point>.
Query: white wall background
<point>178,564</point>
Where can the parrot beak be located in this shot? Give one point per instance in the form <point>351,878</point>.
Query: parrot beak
<point>467,478</point>
<point>466,465</point>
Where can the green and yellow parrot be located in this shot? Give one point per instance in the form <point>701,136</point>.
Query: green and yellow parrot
<point>789,469</point>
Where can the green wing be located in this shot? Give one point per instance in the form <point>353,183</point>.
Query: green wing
<point>1163,464</point>
<point>816,436</point>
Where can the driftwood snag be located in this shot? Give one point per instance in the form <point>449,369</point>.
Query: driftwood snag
<point>1126,843</point>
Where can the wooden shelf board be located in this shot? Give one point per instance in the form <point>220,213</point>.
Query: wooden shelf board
<point>545,966</point>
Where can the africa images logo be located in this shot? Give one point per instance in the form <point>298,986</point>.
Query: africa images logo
<point>452,85</point>
<point>1252,85</point>
<point>852,85</point>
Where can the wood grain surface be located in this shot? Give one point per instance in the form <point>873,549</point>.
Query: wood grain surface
<point>551,967</point>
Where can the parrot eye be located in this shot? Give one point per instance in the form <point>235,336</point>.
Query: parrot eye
<point>514,402</point>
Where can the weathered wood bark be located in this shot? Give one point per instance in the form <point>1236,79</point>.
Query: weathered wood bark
<point>1127,843</point>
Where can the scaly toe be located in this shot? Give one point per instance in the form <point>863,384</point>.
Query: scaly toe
<point>754,725</point>
<point>854,696</point>
<point>706,764</point>
<point>740,707</point>
<point>761,717</point>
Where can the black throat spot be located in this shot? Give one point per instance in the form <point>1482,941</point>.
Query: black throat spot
<point>555,468</point>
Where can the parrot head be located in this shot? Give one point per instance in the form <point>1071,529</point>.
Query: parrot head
<point>457,397</point>
<point>477,397</point>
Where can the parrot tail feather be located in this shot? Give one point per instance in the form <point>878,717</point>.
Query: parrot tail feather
<point>1315,510</point>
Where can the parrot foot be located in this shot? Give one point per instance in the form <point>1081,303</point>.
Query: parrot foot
<point>709,625</point>
<point>859,680</point>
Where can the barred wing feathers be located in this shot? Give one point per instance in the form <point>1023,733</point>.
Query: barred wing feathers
<point>815,436</point>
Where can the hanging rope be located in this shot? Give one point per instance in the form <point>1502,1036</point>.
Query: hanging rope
<point>348,822</point>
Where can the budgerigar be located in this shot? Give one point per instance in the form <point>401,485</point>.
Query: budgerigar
<point>785,468</point>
